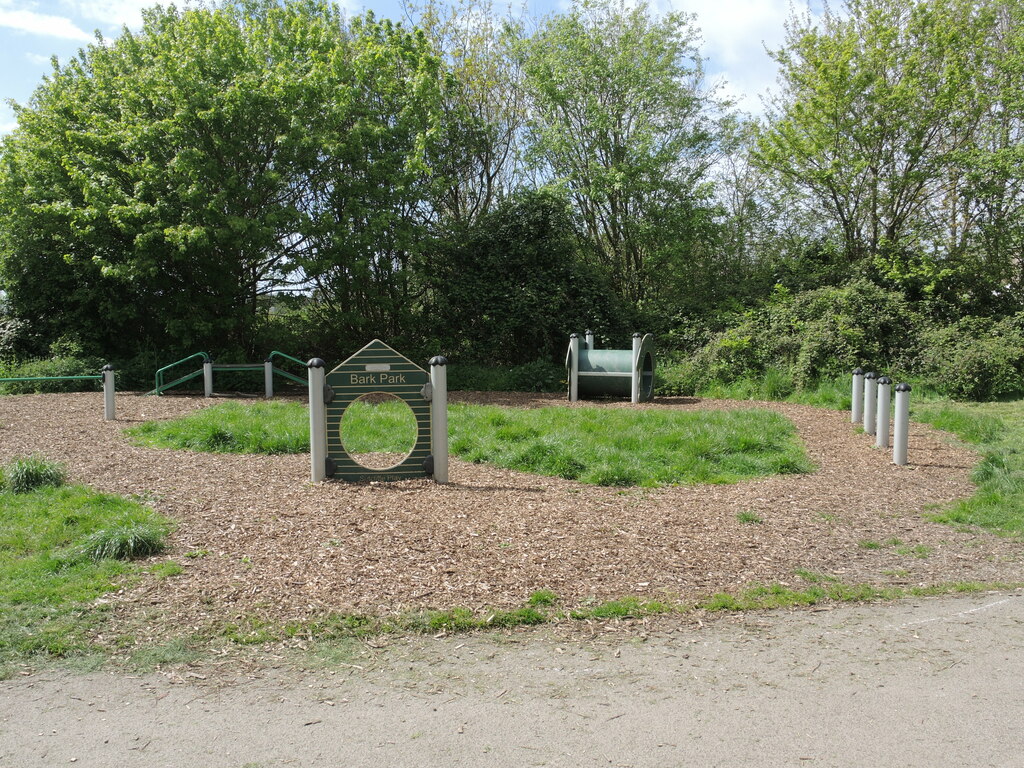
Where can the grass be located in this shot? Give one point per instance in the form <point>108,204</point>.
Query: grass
<point>22,475</point>
<point>51,572</point>
<point>996,430</point>
<point>592,445</point>
<point>626,447</point>
<point>271,428</point>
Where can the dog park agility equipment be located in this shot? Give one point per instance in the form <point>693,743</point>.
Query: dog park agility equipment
<point>871,402</point>
<point>208,367</point>
<point>106,376</point>
<point>378,369</point>
<point>611,372</point>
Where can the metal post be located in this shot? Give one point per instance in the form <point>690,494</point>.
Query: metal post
<point>588,338</point>
<point>108,392</point>
<point>317,420</point>
<point>208,377</point>
<point>634,393</point>
<point>857,409</point>
<point>268,378</point>
<point>870,396</point>
<point>439,417</point>
<point>574,368</point>
<point>882,417</point>
<point>902,425</point>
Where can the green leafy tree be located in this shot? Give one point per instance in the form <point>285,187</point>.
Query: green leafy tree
<point>897,120</point>
<point>162,176</point>
<point>510,288</point>
<point>619,115</point>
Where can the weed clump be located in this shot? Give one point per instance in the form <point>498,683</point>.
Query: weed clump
<point>27,474</point>
<point>126,539</point>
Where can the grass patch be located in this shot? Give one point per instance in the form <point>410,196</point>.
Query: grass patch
<point>780,596</point>
<point>592,445</point>
<point>271,428</point>
<point>749,518</point>
<point>49,574</point>
<point>26,474</point>
<point>997,431</point>
<point>627,448</point>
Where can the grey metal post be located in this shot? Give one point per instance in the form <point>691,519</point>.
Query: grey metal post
<point>574,368</point>
<point>317,420</point>
<point>439,417</point>
<point>634,393</point>
<point>208,377</point>
<point>902,425</point>
<point>588,338</point>
<point>857,409</point>
<point>268,378</point>
<point>882,418</point>
<point>108,392</point>
<point>870,396</point>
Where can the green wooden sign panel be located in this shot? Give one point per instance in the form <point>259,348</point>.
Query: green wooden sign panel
<point>377,368</point>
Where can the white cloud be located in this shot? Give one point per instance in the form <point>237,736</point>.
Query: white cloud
<point>37,59</point>
<point>42,24</point>
<point>736,34</point>
<point>111,13</point>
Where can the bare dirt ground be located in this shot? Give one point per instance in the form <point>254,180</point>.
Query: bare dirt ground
<point>928,683</point>
<point>270,543</point>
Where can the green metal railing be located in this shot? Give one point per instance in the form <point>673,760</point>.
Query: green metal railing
<point>280,372</point>
<point>93,377</point>
<point>161,386</point>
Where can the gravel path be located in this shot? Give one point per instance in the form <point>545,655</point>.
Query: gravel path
<point>276,545</point>
<point>929,683</point>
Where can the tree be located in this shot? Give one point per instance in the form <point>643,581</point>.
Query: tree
<point>161,190</point>
<point>510,288</point>
<point>484,107</point>
<point>162,175</point>
<point>894,118</point>
<point>619,115</point>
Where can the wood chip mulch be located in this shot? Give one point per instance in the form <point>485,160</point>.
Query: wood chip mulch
<point>280,547</point>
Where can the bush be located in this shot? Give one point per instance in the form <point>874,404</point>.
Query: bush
<point>976,358</point>
<point>23,475</point>
<point>54,366</point>
<point>797,340</point>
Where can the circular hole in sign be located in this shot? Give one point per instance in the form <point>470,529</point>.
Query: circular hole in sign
<point>378,430</point>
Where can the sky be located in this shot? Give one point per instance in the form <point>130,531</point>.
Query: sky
<point>735,33</point>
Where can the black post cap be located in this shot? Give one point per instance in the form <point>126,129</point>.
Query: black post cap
<point>858,371</point>
<point>268,359</point>
<point>884,380</point>
<point>870,375</point>
<point>574,335</point>
<point>316,362</point>
<point>439,360</point>
<point>588,332</point>
<point>904,387</point>
<point>108,367</point>
<point>637,335</point>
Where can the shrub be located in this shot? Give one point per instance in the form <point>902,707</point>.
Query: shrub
<point>976,358</point>
<point>23,475</point>
<point>54,366</point>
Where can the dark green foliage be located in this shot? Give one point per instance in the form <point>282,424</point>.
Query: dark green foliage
<point>511,288</point>
<point>536,376</point>
<point>817,334</point>
<point>976,358</point>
